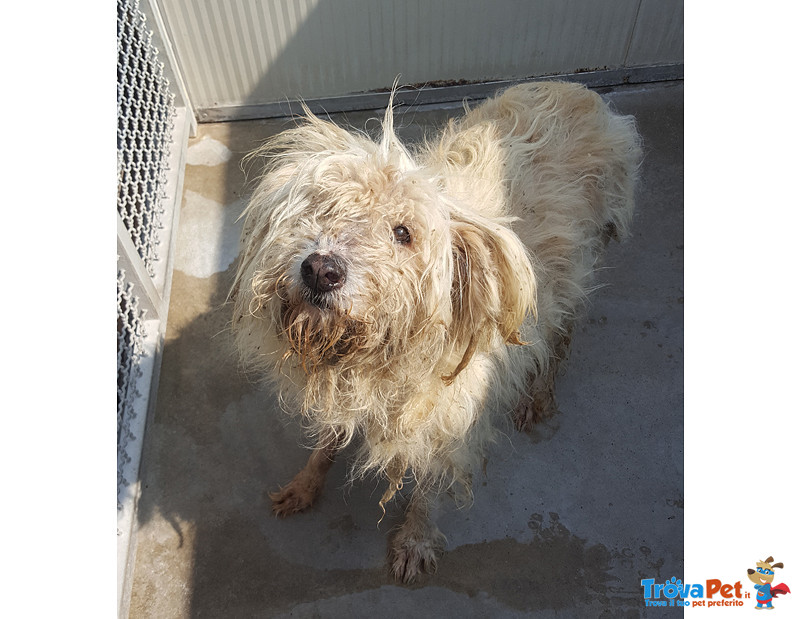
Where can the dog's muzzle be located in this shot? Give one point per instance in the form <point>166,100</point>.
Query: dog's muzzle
<point>323,273</point>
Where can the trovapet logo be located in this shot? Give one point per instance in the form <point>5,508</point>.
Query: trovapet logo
<point>714,592</point>
<point>674,593</point>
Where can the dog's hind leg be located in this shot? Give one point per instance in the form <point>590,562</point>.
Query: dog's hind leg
<point>539,403</point>
<point>417,542</point>
<point>306,486</point>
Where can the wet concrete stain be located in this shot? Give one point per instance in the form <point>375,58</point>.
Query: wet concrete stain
<point>236,571</point>
<point>555,570</point>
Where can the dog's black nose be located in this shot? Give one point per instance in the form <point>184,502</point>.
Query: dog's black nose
<point>323,273</point>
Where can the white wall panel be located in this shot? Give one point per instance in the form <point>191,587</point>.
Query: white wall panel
<point>254,52</point>
<point>658,37</point>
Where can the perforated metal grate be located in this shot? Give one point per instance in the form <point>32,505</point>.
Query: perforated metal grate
<point>145,113</point>
<point>145,116</point>
<point>130,338</point>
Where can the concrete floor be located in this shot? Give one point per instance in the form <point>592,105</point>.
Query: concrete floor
<point>566,521</point>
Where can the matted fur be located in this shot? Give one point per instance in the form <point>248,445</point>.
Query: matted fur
<point>506,213</point>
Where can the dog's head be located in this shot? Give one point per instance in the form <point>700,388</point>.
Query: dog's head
<point>356,259</point>
<point>764,572</point>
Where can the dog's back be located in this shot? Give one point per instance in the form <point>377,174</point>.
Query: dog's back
<point>556,159</point>
<point>564,151</point>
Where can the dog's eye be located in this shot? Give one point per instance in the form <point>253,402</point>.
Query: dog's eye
<point>402,235</point>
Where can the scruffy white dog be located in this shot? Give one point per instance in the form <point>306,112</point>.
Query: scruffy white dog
<point>403,298</point>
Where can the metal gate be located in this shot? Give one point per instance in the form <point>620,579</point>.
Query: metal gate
<point>153,126</point>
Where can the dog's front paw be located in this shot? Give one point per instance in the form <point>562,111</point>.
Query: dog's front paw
<point>297,495</point>
<point>411,556</point>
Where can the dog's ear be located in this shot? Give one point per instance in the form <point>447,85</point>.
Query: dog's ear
<point>493,286</point>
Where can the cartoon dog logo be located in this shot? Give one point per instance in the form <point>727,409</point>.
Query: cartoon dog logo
<point>763,576</point>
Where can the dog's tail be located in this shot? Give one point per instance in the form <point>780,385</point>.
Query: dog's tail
<point>625,142</point>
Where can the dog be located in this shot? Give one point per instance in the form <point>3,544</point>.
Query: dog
<point>406,299</point>
<point>763,576</point>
